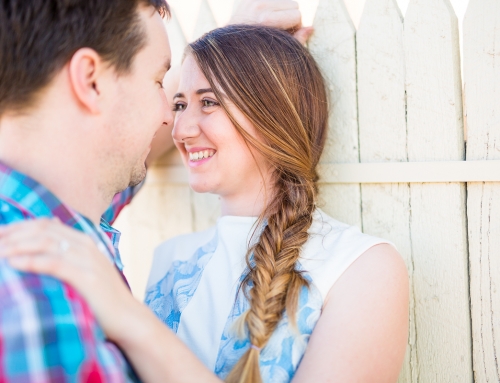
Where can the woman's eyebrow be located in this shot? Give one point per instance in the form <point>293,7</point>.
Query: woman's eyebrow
<point>206,90</point>
<point>199,91</point>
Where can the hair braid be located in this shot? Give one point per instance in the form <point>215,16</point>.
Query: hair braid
<point>282,93</point>
<point>275,281</point>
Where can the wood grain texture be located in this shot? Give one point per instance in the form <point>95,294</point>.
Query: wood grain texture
<point>437,219</point>
<point>482,95</point>
<point>205,21</point>
<point>382,136</point>
<point>205,209</point>
<point>177,39</point>
<point>334,47</point>
<point>158,213</point>
<point>222,10</point>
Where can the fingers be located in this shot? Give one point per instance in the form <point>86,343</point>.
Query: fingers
<point>38,224</point>
<point>283,14</point>
<point>304,34</point>
<point>47,228</point>
<point>284,19</point>
<point>48,240</point>
<point>25,243</point>
<point>276,5</point>
<point>28,236</point>
<point>47,264</point>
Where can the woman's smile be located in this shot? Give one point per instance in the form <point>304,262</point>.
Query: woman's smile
<point>199,156</point>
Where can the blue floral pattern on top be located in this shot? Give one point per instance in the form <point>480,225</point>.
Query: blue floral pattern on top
<point>170,296</point>
<point>281,356</point>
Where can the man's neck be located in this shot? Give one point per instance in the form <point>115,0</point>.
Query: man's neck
<point>46,153</point>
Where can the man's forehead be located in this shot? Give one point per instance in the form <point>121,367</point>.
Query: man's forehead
<point>158,45</point>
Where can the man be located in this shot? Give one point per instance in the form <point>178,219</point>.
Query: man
<point>81,99</point>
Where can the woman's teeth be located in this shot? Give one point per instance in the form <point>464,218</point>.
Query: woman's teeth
<point>197,156</point>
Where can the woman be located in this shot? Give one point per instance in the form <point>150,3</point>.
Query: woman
<point>277,291</point>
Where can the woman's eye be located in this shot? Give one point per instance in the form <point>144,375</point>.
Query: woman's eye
<point>179,107</point>
<point>160,83</point>
<point>209,103</point>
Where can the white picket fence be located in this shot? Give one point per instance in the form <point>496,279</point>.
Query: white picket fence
<point>401,162</point>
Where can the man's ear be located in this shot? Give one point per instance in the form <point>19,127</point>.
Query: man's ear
<point>85,67</point>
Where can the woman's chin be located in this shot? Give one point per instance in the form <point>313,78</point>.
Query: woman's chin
<point>201,187</point>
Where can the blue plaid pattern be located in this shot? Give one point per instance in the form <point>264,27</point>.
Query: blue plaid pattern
<point>119,202</point>
<point>47,331</point>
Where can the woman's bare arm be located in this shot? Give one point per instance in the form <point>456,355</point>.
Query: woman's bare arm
<point>362,333</point>
<point>156,353</point>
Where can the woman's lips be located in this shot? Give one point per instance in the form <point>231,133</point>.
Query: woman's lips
<point>199,156</point>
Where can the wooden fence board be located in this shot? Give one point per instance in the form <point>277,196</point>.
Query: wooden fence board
<point>382,135</point>
<point>176,38</point>
<point>222,10</point>
<point>205,22</point>
<point>427,222</point>
<point>206,210</point>
<point>482,95</point>
<point>438,219</point>
<point>334,47</point>
<point>160,211</point>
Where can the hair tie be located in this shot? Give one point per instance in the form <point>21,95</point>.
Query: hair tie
<point>256,348</point>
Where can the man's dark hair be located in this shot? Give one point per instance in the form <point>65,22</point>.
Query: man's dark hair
<point>38,37</point>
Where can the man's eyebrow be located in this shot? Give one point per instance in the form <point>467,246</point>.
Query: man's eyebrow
<point>166,65</point>
<point>179,95</point>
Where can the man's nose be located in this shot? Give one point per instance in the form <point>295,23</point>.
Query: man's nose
<point>168,118</point>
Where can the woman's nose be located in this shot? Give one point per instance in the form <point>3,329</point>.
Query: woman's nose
<point>185,127</point>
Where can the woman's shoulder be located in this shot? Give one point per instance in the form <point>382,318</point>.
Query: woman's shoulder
<point>332,247</point>
<point>179,248</point>
<point>327,236</point>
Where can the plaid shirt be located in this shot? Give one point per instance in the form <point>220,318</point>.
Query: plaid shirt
<point>47,331</point>
<point>119,202</point>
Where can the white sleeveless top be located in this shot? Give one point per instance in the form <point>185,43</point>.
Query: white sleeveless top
<point>194,283</point>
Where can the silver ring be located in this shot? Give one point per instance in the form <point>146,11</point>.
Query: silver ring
<point>64,246</point>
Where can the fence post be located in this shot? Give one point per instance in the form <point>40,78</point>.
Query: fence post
<point>334,47</point>
<point>382,135</point>
<point>176,38</point>
<point>482,95</point>
<point>205,21</point>
<point>438,219</point>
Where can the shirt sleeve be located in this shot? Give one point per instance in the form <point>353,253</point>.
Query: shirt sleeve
<point>119,202</point>
<point>48,334</point>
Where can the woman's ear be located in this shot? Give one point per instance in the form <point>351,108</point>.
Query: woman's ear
<point>85,67</point>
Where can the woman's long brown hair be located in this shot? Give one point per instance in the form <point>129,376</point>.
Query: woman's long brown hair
<point>276,84</point>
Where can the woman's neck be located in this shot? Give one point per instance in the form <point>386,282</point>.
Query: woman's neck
<point>250,201</point>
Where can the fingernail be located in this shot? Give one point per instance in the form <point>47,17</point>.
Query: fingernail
<point>18,262</point>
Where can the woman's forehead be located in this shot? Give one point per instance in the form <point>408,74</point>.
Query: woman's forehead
<point>192,78</point>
